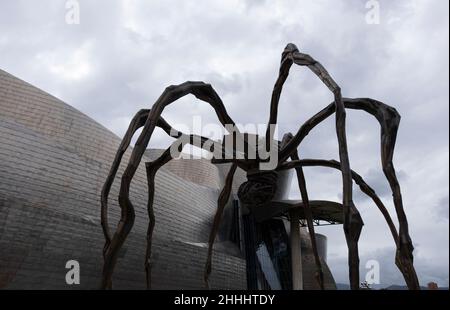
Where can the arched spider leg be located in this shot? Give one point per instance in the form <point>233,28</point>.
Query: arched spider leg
<point>221,203</point>
<point>152,168</point>
<point>200,90</point>
<point>365,188</point>
<point>388,119</point>
<point>292,55</point>
<point>137,122</point>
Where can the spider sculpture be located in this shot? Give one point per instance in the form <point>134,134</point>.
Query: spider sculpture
<point>261,184</point>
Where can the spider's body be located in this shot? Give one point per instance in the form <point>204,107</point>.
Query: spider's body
<point>261,185</point>
<point>259,189</point>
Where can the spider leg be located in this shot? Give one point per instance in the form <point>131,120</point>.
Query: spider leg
<point>221,203</point>
<point>352,228</point>
<point>152,168</point>
<point>308,212</point>
<point>137,122</point>
<point>203,92</point>
<point>292,55</point>
<point>404,255</point>
<point>352,220</point>
<point>389,120</point>
<point>406,271</point>
<point>309,220</point>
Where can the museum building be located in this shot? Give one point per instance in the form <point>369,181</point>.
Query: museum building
<point>53,163</point>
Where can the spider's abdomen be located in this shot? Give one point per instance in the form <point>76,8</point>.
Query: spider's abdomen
<point>259,189</point>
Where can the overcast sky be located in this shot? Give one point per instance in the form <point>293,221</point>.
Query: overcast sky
<point>122,55</point>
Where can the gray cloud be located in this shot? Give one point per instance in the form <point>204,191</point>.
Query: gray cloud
<point>442,209</point>
<point>124,53</point>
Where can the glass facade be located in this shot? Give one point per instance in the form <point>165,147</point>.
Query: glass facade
<point>267,254</point>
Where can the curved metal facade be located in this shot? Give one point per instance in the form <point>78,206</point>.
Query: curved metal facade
<point>53,162</point>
